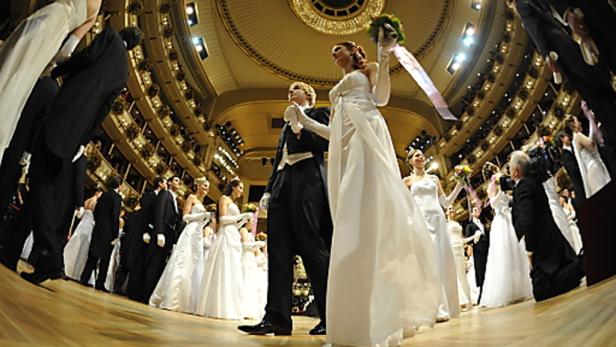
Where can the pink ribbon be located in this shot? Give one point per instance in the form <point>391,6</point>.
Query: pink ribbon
<point>424,82</point>
<point>473,199</point>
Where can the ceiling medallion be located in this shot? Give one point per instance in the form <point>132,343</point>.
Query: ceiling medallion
<point>337,17</point>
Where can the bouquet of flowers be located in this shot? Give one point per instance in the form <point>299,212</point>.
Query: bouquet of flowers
<point>461,173</point>
<point>392,28</point>
<point>250,208</point>
<point>261,236</point>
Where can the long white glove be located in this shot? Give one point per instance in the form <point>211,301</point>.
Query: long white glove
<point>79,212</point>
<point>146,238</point>
<point>25,159</point>
<point>245,217</point>
<point>160,240</point>
<point>382,89</point>
<point>312,125</point>
<point>446,201</point>
<point>253,245</point>
<point>197,217</point>
<point>229,219</point>
<point>67,49</point>
<point>264,202</point>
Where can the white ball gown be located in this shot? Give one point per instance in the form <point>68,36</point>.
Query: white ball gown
<point>558,212</point>
<point>262,273</point>
<point>594,172</point>
<point>178,287</point>
<point>507,278</point>
<point>575,230</point>
<point>220,293</point>
<point>383,278</point>
<point>114,263</point>
<point>457,246</point>
<point>250,274</point>
<point>26,53</point>
<point>76,249</point>
<point>425,192</point>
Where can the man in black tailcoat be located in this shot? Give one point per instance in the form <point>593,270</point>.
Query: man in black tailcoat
<point>94,77</point>
<point>106,230</point>
<point>480,243</point>
<point>555,268</point>
<point>572,168</point>
<point>299,220</point>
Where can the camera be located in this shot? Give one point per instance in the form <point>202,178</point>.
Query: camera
<point>542,163</point>
<point>506,183</point>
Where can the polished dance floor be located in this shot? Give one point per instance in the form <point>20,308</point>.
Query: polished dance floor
<point>64,313</point>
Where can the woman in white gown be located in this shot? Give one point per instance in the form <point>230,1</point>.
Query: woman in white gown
<point>507,278</point>
<point>383,279</point>
<point>457,246</point>
<point>571,217</point>
<point>31,47</point>
<point>250,298</point>
<point>558,213</point>
<point>177,289</point>
<point>76,249</point>
<point>594,172</point>
<point>430,198</point>
<point>220,292</point>
<point>262,273</point>
<point>114,261</point>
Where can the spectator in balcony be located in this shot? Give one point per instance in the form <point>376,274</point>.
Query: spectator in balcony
<point>95,77</point>
<point>592,169</point>
<point>571,166</point>
<point>549,33</point>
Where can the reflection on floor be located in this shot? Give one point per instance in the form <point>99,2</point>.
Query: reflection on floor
<point>66,313</point>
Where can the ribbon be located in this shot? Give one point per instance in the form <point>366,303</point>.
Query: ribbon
<point>410,64</point>
<point>473,199</point>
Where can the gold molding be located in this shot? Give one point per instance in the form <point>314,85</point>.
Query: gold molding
<point>256,56</point>
<point>332,25</point>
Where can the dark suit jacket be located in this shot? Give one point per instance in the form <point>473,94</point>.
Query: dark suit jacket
<point>106,223</point>
<point>165,218</point>
<point>533,220</point>
<point>470,230</point>
<point>573,170</point>
<point>539,23</point>
<point>96,75</point>
<point>307,142</point>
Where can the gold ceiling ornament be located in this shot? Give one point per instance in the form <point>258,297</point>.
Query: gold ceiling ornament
<point>337,17</point>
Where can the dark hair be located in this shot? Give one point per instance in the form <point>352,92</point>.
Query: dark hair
<point>114,182</point>
<point>569,120</point>
<point>358,54</point>
<point>157,181</point>
<point>131,35</point>
<point>560,135</point>
<point>235,182</point>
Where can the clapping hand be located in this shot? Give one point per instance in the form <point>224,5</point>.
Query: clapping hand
<point>146,238</point>
<point>160,240</point>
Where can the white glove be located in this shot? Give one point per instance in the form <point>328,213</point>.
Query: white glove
<point>382,90</point>
<point>291,116</point>
<point>160,240</point>
<point>79,212</point>
<point>65,52</point>
<point>78,154</point>
<point>388,37</point>
<point>25,158</point>
<point>113,243</point>
<point>264,202</point>
<point>247,216</point>
<point>146,238</point>
<point>552,59</point>
<point>476,237</point>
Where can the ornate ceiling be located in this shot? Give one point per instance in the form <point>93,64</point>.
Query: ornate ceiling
<point>256,48</point>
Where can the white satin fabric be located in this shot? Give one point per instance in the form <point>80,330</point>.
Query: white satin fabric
<point>594,172</point>
<point>383,277</point>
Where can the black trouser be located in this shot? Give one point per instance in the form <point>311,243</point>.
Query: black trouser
<point>298,223</point>
<point>566,278</point>
<point>91,263</point>
<point>157,259</point>
<point>480,258</point>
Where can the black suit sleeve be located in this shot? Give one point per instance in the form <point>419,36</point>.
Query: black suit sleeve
<point>115,214</point>
<point>81,166</point>
<point>158,212</point>
<point>533,25</point>
<point>86,56</point>
<point>524,210</point>
<point>313,141</point>
<point>469,230</point>
<point>277,160</point>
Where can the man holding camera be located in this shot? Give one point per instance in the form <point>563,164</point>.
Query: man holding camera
<point>555,269</point>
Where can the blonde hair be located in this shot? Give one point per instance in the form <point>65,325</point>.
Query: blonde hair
<point>312,95</point>
<point>201,180</point>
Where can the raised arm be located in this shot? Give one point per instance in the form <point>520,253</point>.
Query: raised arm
<point>447,201</point>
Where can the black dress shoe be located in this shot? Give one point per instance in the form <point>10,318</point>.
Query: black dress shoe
<point>101,288</point>
<point>319,329</point>
<point>263,328</point>
<point>41,276</point>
